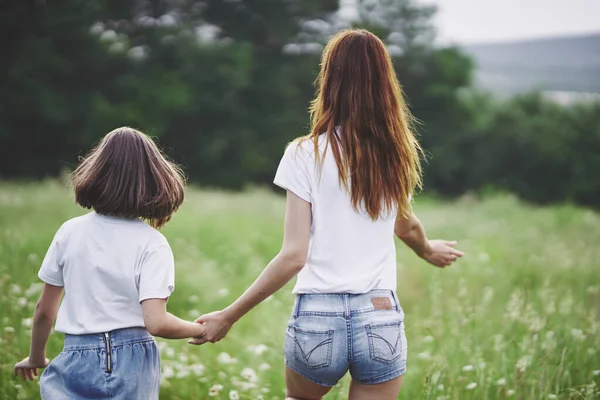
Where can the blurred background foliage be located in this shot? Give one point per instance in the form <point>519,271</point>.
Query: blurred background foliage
<point>224,85</point>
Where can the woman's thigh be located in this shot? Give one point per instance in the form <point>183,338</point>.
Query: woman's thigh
<point>383,391</point>
<point>300,388</point>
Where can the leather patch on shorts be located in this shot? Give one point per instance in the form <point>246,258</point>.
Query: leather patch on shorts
<point>382,303</point>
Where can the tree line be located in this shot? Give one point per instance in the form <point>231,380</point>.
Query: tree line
<point>224,85</point>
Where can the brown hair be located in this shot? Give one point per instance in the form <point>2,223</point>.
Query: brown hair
<point>377,154</point>
<point>126,175</point>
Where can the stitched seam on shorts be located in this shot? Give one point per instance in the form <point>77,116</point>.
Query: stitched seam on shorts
<point>320,313</point>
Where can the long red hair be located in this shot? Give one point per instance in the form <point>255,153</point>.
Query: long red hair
<point>377,154</point>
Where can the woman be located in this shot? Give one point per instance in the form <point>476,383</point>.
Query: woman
<point>349,185</point>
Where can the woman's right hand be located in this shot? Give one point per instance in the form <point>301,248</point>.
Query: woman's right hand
<point>441,253</point>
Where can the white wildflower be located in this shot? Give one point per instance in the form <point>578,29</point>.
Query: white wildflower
<point>442,398</point>
<point>424,355</point>
<point>27,322</point>
<point>193,299</point>
<point>510,392</point>
<point>9,329</point>
<point>245,386</point>
<point>225,358</point>
<point>427,339</point>
<point>234,395</point>
<point>168,372</point>
<point>170,352</point>
<point>197,369</point>
<point>182,373</point>
<point>578,334</point>
<point>214,390</point>
<point>596,372</point>
<point>440,387</point>
<point>22,302</point>
<point>522,364</point>
<point>468,368</point>
<point>264,367</point>
<point>249,375</point>
<point>223,292</point>
<point>194,313</point>
<point>471,386</point>
<point>34,289</point>
<point>15,289</point>
<point>258,349</point>
<point>551,396</point>
<point>501,382</point>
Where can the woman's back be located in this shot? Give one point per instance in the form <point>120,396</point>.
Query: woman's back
<point>349,252</point>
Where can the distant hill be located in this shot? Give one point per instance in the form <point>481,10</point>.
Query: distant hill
<point>559,64</point>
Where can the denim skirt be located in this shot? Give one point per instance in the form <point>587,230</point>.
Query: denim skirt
<point>120,365</point>
<point>329,335</point>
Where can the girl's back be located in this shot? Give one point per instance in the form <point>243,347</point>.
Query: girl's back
<point>108,266</point>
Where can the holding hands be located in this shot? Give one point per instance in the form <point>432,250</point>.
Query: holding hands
<point>217,324</point>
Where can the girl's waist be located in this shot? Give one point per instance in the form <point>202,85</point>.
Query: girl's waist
<point>113,338</point>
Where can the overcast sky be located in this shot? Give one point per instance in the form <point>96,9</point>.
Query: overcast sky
<point>472,21</point>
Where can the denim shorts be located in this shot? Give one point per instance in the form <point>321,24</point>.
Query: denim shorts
<point>331,334</point>
<point>120,365</point>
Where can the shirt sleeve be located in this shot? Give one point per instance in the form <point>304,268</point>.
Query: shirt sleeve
<point>51,271</point>
<point>157,274</point>
<point>292,173</point>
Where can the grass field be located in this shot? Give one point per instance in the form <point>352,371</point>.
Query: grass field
<point>518,317</point>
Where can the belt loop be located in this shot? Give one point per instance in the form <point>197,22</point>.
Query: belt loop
<point>297,306</point>
<point>396,300</point>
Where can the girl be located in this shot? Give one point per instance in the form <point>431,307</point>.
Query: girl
<point>349,184</point>
<point>117,273</point>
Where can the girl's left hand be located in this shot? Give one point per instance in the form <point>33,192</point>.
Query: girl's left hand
<point>28,369</point>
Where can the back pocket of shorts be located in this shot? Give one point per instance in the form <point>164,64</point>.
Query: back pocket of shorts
<point>385,341</point>
<point>313,348</point>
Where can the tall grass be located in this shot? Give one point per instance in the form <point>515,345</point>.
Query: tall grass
<point>517,318</point>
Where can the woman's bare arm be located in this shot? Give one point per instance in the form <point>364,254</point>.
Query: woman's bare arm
<point>279,271</point>
<point>440,253</point>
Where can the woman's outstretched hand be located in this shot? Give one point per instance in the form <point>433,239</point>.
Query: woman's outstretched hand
<point>217,325</point>
<point>441,253</point>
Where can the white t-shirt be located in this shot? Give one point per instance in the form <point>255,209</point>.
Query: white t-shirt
<point>107,266</point>
<point>348,251</point>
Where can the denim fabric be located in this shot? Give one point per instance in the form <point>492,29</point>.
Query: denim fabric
<point>129,370</point>
<point>331,334</point>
